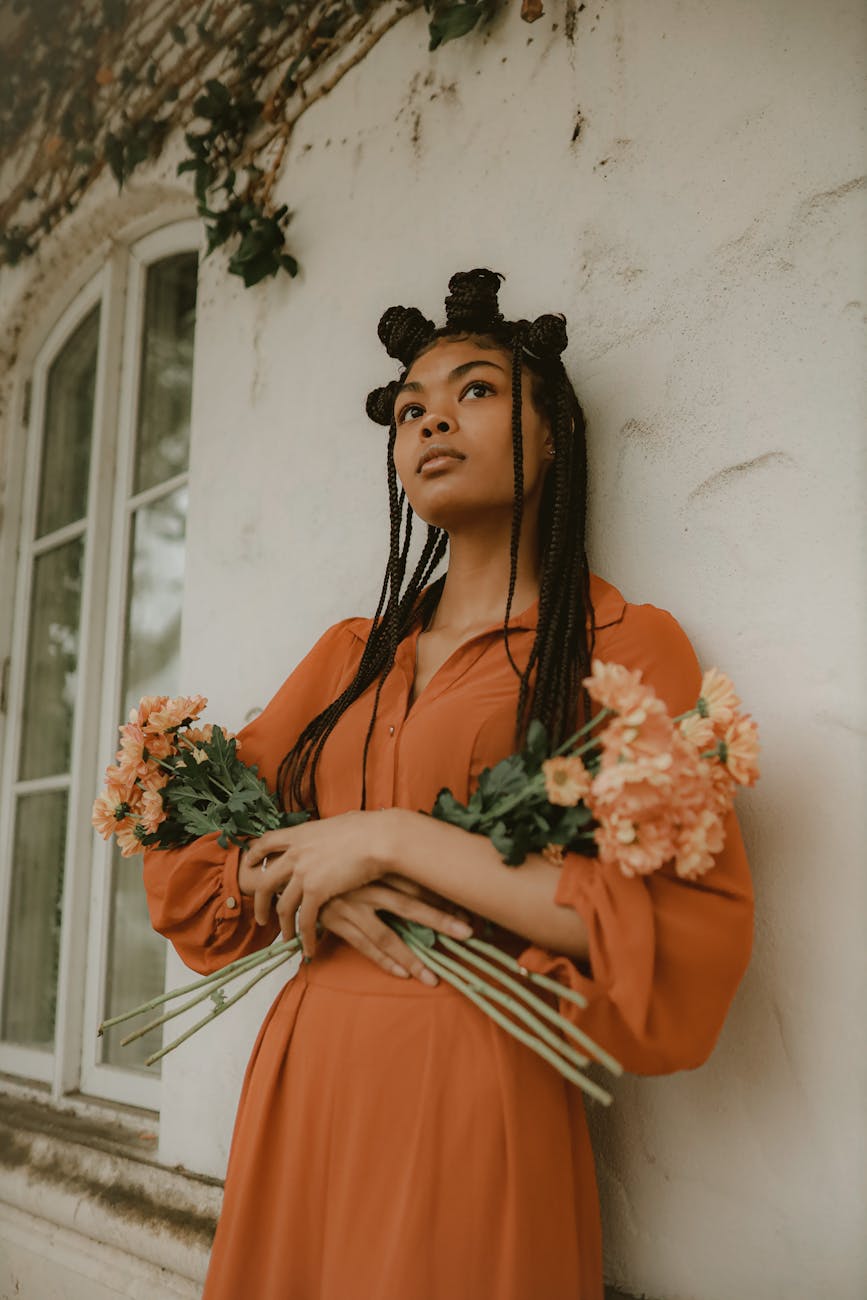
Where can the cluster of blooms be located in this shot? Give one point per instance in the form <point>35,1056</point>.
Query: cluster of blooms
<point>659,788</point>
<point>131,805</point>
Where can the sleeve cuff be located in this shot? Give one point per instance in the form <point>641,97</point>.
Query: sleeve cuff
<point>233,904</point>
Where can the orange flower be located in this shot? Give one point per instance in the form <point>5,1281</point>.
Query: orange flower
<point>147,705</point>
<point>554,853</point>
<point>127,840</point>
<point>139,748</point>
<point>174,712</point>
<point>637,848</point>
<point>152,811</point>
<point>566,780</point>
<point>698,731</point>
<point>201,735</point>
<point>697,842</point>
<point>717,699</point>
<point>739,750</point>
<point>108,812</point>
<point>615,687</point>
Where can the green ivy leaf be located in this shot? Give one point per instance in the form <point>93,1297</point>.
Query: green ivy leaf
<point>451,22</point>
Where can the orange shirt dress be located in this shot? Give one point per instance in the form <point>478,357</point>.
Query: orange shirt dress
<point>391,1141</point>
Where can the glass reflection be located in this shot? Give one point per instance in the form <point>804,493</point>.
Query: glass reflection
<point>33,952</point>
<point>162,448</point>
<point>136,966</point>
<point>66,441</point>
<point>52,662</point>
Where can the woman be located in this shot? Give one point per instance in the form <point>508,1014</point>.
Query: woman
<point>392,1143</point>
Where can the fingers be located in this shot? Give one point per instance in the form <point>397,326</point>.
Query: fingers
<point>414,909</point>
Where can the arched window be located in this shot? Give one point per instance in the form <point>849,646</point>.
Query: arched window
<point>96,624</point>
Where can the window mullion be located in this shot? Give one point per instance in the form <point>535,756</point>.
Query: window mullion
<point>73,947</point>
<point>96,1080</point>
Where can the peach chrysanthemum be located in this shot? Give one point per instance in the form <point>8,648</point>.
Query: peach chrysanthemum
<point>699,839</point>
<point>140,748</point>
<point>636,847</point>
<point>200,735</point>
<point>566,780</point>
<point>616,687</point>
<point>127,840</point>
<point>173,713</point>
<point>147,705</point>
<point>698,731</point>
<point>717,699</point>
<point>108,812</point>
<point>152,811</point>
<point>739,750</point>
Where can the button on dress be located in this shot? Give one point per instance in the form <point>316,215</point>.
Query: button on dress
<point>391,1141</point>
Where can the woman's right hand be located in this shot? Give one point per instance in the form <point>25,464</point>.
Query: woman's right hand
<point>352,916</point>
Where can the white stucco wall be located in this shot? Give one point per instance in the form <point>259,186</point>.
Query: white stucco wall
<point>703,235</point>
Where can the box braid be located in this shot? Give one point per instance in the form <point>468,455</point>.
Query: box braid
<point>563,647</point>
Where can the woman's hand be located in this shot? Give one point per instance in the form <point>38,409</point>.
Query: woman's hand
<point>309,864</point>
<point>353,917</point>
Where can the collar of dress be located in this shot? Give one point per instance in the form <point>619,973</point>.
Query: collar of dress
<point>609,607</point>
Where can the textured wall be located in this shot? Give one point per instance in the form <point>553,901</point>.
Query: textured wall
<point>685,182</point>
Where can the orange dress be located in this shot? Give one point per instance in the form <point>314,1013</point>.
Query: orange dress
<point>392,1142</point>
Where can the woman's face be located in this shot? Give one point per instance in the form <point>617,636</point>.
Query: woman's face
<point>457,398</point>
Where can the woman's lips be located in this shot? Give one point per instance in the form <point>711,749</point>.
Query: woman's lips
<point>439,462</point>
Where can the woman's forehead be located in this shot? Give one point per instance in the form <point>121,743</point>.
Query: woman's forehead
<point>443,355</point>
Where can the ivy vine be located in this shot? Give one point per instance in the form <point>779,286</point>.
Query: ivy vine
<point>89,84</point>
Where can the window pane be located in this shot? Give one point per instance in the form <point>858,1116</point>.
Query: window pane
<point>163,441</point>
<point>68,425</point>
<point>136,966</point>
<point>136,955</point>
<point>33,948</point>
<point>155,599</point>
<point>52,662</point>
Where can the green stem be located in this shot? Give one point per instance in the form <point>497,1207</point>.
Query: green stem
<point>587,726</point>
<point>561,990</point>
<point>214,986</point>
<point>530,1018</point>
<point>553,1058</point>
<point>218,1011</point>
<point>225,973</point>
<point>540,1007</point>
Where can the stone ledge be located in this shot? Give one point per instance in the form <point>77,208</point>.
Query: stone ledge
<point>98,1178</point>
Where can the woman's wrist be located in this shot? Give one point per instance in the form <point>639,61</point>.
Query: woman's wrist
<point>389,842</point>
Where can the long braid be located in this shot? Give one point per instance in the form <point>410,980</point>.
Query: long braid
<point>518,504</point>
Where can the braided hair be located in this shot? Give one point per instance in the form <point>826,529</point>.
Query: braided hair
<point>563,646</point>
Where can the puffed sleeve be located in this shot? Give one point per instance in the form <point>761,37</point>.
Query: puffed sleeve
<point>666,954</point>
<point>192,892</point>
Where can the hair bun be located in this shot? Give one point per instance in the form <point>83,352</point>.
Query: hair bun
<point>547,338</point>
<point>380,403</point>
<point>472,300</point>
<point>403,330</point>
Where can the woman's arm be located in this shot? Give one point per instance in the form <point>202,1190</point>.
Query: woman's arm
<point>316,861</point>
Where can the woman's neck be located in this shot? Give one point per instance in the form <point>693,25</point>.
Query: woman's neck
<point>477,583</point>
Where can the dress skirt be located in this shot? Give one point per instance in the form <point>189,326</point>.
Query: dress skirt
<point>393,1143</point>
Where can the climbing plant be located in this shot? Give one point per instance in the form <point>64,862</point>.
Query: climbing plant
<point>90,84</point>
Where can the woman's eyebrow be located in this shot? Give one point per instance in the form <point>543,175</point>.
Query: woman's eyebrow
<point>415,387</point>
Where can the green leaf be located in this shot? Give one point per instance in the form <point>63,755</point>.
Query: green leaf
<point>449,23</point>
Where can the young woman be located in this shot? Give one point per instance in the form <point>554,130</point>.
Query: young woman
<point>393,1143</point>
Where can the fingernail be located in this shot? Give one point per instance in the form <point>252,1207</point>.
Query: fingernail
<point>399,970</point>
<point>460,929</point>
<point>428,977</point>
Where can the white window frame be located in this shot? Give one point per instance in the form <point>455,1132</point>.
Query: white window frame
<point>119,287</point>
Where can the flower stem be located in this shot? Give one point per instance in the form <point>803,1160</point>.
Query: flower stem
<point>218,1011</point>
<point>208,992</point>
<point>587,726</point>
<point>554,1058</point>
<point>237,967</point>
<point>529,1017</point>
<point>562,991</point>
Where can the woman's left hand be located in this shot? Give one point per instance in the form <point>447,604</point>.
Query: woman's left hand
<point>309,864</point>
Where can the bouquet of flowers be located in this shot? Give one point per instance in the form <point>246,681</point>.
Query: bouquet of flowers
<point>633,786</point>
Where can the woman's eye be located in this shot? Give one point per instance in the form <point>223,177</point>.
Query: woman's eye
<point>478,384</point>
<point>407,412</point>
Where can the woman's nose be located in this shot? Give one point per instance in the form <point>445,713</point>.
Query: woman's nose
<point>435,424</point>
